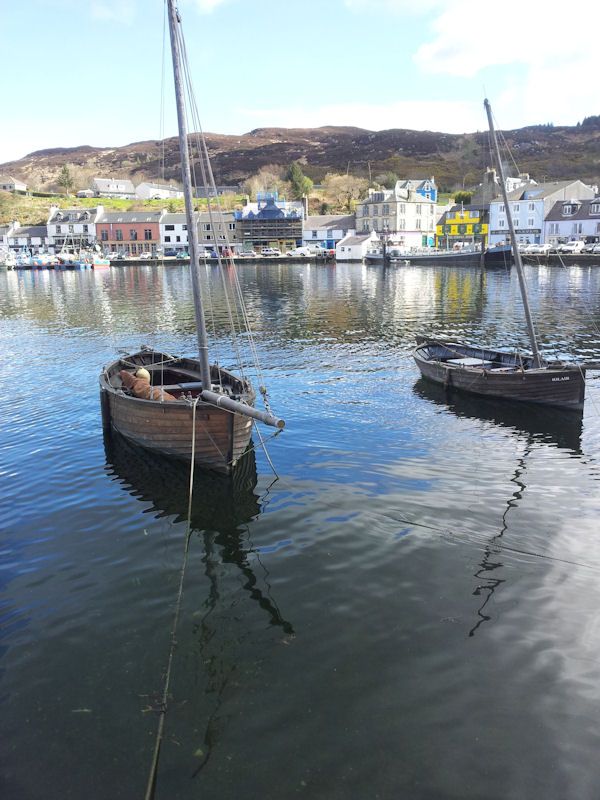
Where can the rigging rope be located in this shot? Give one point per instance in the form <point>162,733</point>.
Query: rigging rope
<point>163,706</point>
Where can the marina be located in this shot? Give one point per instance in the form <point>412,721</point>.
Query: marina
<point>407,611</point>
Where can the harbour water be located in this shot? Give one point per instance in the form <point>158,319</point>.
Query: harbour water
<point>408,611</point>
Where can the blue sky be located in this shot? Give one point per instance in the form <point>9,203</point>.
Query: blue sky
<point>79,72</point>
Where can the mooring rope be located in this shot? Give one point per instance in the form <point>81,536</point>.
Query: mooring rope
<point>163,706</point>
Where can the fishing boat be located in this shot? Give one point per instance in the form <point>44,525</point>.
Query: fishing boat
<point>513,376</point>
<point>175,405</point>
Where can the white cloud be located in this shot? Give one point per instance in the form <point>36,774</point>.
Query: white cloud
<point>395,7</point>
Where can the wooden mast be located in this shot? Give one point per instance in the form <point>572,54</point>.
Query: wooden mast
<point>192,229</point>
<point>537,361</point>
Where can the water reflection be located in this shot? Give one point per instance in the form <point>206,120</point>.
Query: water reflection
<point>539,423</point>
<point>221,508</point>
<point>535,424</point>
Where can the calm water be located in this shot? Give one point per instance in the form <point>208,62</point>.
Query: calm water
<point>410,611</point>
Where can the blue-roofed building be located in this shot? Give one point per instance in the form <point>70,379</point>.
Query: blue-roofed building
<point>270,222</point>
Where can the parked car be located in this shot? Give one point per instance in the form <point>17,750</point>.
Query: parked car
<point>145,255</point>
<point>270,252</point>
<point>170,253</point>
<point>570,247</point>
<point>182,254</point>
<point>299,252</point>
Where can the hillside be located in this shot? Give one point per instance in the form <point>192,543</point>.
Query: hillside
<point>546,152</point>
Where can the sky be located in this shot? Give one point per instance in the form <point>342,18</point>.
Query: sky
<point>92,72</point>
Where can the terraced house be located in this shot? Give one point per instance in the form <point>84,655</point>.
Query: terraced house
<point>462,225</point>
<point>407,213</point>
<point>129,232</point>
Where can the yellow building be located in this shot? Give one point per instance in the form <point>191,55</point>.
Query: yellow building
<point>464,225</point>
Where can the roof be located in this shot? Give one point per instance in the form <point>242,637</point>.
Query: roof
<point>114,185</point>
<point>73,215</point>
<point>330,222</point>
<point>451,212</point>
<point>359,239</point>
<point>583,212</point>
<point>539,191</point>
<point>162,186</point>
<point>30,231</point>
<point>129,216</point>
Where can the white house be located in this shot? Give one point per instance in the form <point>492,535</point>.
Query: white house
<point>29,237</point>
<point>157,191</point>
<point>573,219</point>
<point>403,212</point>
<point>530,205</point>
<point>327,230</point>
<point>113,187</point>
<point>354,246</point>
<point>10,184</point>
<point>72,228</point>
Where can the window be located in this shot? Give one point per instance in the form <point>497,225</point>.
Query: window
<point>375,225</point>
<point>169,227</point>
<point>85,228</point>
<point>532,206</point>
<point>375,210</point>
<point>58,230</point>
<point>147,234</point>
<point>595,208</point>
<point>119,235</point>
<point>104,236</point>
<point>401,224</point>
<point>501,208</point>
<point>418,208</point>
<point>568,209</point>
<point>315,234</point>
<point>501,223</point>
<point>178,238</point>
<point>385,210</point>
<point>530,222</point>
<point>365,226</point>
<point>553,228</point>
<point>184,227</point>
<point>132,234</point>
<point>516,208</point>
<point>402,208</point>
<point>71,229</point>
<point>418,224</point>
<point>385,225</point>
<point>231,226</point>
<point>577,228</point>
<point>206,226</point>
<point>365,211</point>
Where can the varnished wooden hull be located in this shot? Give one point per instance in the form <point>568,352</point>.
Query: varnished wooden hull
<point>221,437</point>
<point>553,385</point>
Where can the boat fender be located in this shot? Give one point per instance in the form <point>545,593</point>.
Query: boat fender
<point>141,388</point>
<point>143,373</point>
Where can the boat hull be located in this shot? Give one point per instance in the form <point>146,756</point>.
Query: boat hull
<point>167,427</point>
<point>501,375</point>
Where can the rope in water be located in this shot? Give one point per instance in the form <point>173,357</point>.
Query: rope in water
<point>163,706</point>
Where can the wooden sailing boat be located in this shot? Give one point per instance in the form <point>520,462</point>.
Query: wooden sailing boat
<point>179,406</point>
<point>495,373</point>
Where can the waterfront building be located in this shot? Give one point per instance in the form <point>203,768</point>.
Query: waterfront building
<point>462,225</point>
<point>72,228</point>
<point>353,247</point>
<point>327,230</point>
<point>530,205</point>
<point>270,222</point>
<point>226,234</point>
<point>571,220</point>
<point>30,238</point>
<point>404,213</point>
<point>129,232</point>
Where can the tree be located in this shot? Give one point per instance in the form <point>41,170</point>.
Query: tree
<point>269,178</point>
<point>301,185</point>
<point>342,191</point>
<point>66,180</point>
<point>463,197</point>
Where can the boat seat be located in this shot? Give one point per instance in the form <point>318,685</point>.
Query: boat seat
<point>470,362</point>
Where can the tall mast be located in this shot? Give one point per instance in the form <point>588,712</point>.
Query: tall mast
<point>192,230</point>
<point>537,362</point>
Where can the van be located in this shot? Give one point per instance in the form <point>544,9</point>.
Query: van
<point>299,252</point>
